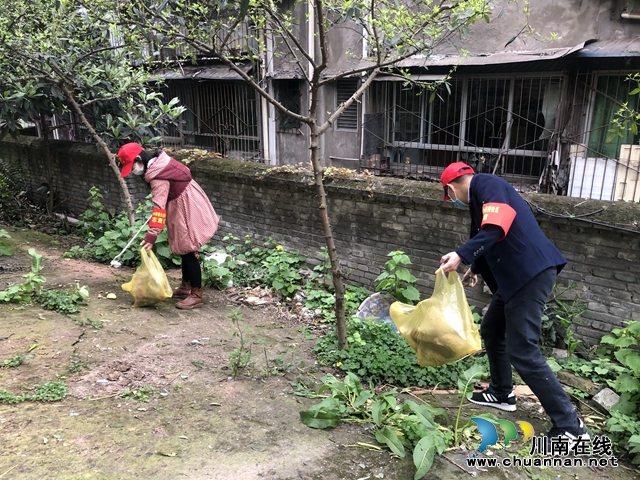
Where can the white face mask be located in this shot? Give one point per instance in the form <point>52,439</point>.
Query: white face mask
<point>137,170</point>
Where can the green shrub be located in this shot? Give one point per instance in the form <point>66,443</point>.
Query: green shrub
<point>561,311</point>
<point>319,297</point>
<point>95,220</point>
<point>5,248</point>
<point>107,235</point>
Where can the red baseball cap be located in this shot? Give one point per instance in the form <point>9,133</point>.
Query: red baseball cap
<point>452,172</point>
<point>127,154</point>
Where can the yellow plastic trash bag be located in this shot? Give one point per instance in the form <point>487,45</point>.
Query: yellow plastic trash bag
<point>440,329</point>
<point>149,284</point>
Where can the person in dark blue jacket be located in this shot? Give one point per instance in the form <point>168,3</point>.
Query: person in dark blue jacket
<point>519,264</point>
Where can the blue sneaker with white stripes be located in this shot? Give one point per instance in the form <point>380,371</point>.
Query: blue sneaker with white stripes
<point>490,399</point>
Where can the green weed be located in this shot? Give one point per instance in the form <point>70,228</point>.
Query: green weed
<point>64,301</point>
<point>376,353</point>
<point>108,234</point>
<point>398,426</point>
<point>15,361</point>
<point>23,292</point>
<point>142,394</point>
<point>241,356</point>
<point>5,248</point>
<point>396,280</point>
<point>76,367</point>
<point>47,392</point>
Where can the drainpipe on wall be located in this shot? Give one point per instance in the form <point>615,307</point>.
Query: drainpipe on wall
<point>363,104</point>
<point>311,27</point>
<point>269,115</point>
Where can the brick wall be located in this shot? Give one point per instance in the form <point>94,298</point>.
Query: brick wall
<point>75,168</point>
<point>371,217</point>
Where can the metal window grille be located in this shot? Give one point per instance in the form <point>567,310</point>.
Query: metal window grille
<point>345,88</point>
<point>288,94</point>
<point>241,40</point>
<point>497,124</point>
<point>600,161</point>
<point>221,116</point>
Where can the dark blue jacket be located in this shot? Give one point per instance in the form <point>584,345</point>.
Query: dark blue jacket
<point>506,265</point>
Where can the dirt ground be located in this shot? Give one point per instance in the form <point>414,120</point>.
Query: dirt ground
<point>200,423</point>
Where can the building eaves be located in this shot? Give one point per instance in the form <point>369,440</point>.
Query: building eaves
<point>209,72</point>
<point>625,47</point>
<point>495,58</point>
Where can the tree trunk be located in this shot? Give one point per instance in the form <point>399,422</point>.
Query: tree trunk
<point>336,270</point>
<point>110,156</point>
<point>47,156</point>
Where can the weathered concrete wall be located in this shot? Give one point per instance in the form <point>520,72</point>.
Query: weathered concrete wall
<point>574,21</point>
<point>373,216</point>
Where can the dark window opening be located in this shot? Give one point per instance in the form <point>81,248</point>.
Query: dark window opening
<point>288,94</point>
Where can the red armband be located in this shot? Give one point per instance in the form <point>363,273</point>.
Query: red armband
<point>499,214</point>
<point>158,218</point>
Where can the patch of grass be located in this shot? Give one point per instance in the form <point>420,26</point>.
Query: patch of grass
<point>199,364</point>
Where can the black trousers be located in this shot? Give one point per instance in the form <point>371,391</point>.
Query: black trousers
<point>191,270</point>
<point>511,332</point>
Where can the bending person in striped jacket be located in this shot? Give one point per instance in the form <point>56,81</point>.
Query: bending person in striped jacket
<point>180,204</point>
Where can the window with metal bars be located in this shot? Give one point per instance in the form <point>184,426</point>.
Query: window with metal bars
<point>288,94</point>
<point>220,115</point>
<point>345,88</point>
<point>496,124</point>
<point>611,92</point>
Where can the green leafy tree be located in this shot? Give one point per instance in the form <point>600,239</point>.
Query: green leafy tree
<point>56,59</point>
<point>393,31</point>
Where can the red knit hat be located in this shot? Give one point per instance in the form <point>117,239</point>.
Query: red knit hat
<point>128,152</point>
<point>452,172</point>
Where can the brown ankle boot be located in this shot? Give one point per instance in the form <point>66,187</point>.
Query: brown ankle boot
<point>192,301</point>
<point>183,291</point>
